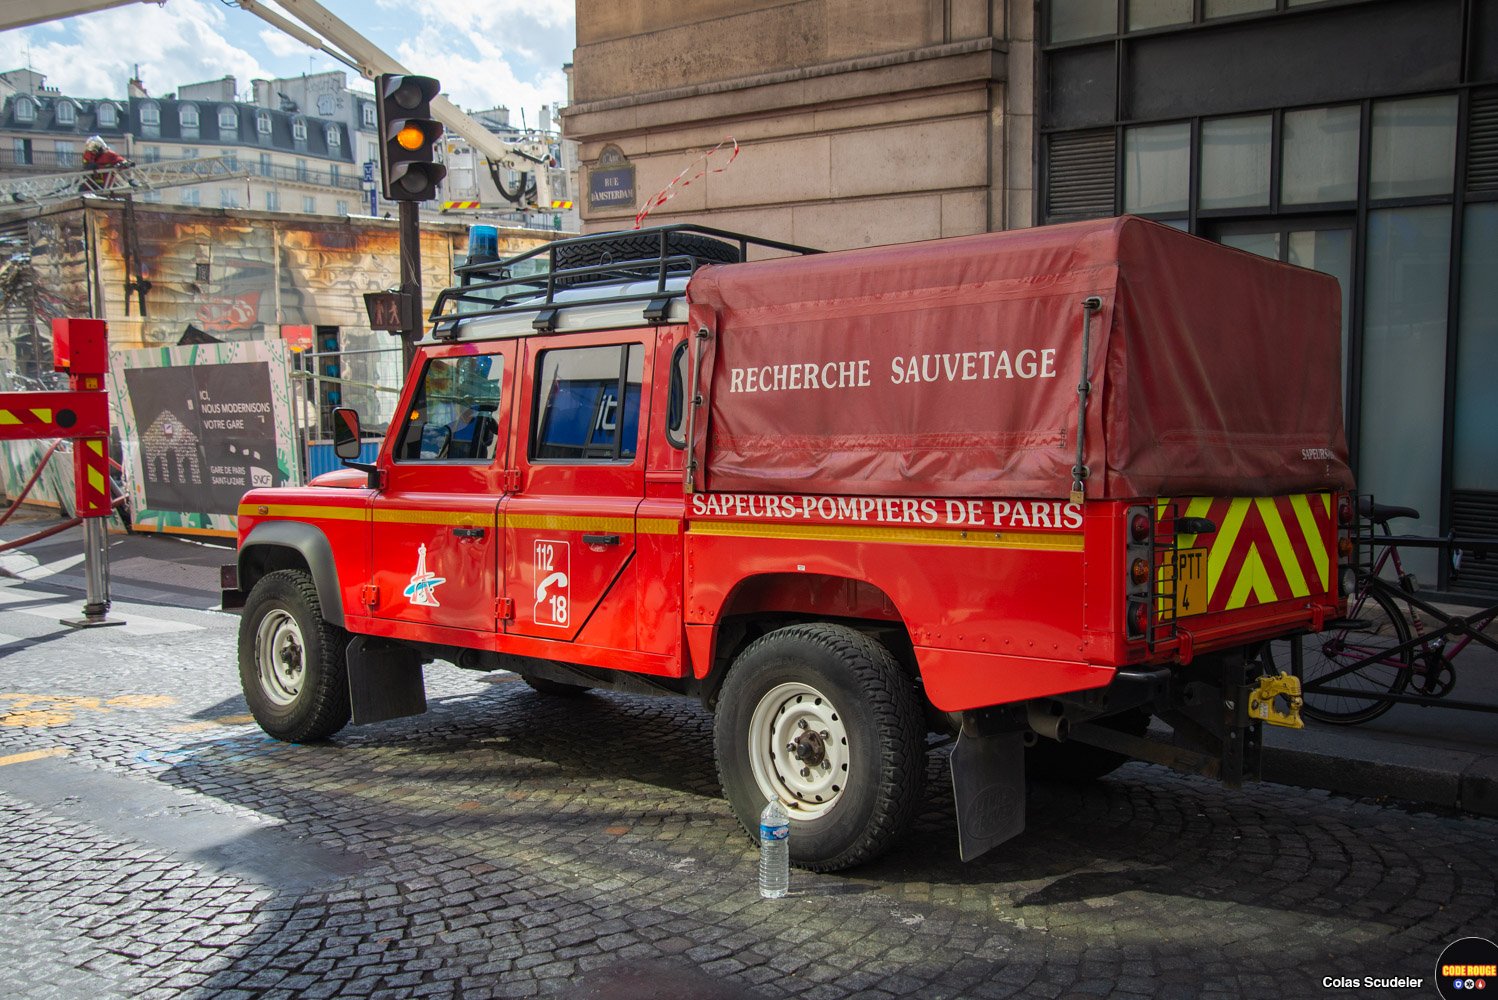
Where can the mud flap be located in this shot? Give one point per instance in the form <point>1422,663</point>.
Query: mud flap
<point>988,784</point>
<point>384,680</point>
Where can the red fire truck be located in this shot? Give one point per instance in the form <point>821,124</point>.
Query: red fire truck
<point>1026,489</point>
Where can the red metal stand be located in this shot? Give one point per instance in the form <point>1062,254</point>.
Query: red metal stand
<point>81,413</point>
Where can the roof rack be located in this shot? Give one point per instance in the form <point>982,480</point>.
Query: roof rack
<point>532,281</point>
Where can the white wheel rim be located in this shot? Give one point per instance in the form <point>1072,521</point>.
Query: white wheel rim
<point>280,656</point>
<point>798,749</point>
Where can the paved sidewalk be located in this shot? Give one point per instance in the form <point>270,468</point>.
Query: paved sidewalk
<point>1434,756</point>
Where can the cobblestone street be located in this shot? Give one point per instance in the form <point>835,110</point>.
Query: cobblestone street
<point>157,844</point>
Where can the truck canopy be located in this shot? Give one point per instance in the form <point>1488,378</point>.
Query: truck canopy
<point>950,368</point>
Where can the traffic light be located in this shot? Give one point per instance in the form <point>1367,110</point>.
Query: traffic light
<point>409,134</point>
<point>329,358</point>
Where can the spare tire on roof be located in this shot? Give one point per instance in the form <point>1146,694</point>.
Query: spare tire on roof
<point>639,254</point>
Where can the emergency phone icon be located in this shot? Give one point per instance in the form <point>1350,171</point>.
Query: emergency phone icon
<point>553,569</point>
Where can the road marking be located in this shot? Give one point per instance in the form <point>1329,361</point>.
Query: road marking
<point>21,758</point>
<point>135,622</point>
<point>43,570</point>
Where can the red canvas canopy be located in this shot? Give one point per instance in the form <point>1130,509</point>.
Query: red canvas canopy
<point>950,368</point>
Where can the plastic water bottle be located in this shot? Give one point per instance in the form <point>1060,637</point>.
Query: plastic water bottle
<point>774,851</point>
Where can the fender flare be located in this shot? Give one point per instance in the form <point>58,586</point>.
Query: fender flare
<point>312,545</point>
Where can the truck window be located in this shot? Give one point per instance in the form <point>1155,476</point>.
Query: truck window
<point>588,404</point>
<point>676,411</point>
<point>452,413</point>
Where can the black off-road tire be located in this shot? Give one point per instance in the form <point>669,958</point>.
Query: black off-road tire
<point>620,248</point>
<point>555,689</point>
<point>1079,763</point>
<point>869,701</point>
<point>296,703</point>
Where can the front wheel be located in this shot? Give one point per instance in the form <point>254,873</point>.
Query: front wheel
<point>822,718</point>
<point>1377,629</point>
<point>291,661</point>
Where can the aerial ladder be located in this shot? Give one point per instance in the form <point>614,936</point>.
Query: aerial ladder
<point>40,190</point>
<point>320,29</point>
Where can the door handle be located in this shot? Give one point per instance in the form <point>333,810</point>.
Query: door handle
<point>469,532</point>
<point>600,539</point>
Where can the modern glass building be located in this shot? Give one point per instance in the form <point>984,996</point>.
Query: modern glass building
<point>1356,137</point>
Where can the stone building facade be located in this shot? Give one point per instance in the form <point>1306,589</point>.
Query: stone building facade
<point>859,122</point>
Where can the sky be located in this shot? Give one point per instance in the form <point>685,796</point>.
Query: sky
<point>485,52</point>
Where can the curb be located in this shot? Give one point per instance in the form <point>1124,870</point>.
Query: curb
<point>1453,779</point>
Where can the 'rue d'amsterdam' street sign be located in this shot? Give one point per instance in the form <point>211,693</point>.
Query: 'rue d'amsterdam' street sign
<point>611,184</point>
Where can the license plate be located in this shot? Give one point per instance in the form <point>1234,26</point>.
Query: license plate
<point>1191,582</point>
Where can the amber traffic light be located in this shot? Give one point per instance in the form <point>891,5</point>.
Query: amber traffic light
<point>409,170</point>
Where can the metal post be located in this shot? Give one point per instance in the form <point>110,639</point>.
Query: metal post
<point>410,255</point>
<point>96,576</point>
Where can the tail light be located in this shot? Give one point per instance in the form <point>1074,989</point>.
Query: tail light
<point>1138,618</point>
<point>1139,527</point>
<point>1344,511</point>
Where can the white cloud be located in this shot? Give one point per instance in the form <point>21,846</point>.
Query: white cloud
<point>187,41</point>
<point>485,52</point>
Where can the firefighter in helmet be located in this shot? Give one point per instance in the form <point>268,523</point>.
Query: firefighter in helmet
<point>102,162</point>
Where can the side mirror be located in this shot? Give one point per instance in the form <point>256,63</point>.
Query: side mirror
<point>347,440</point>
<point>347,443</point>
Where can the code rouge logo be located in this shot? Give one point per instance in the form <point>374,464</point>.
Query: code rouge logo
<point>1467,966</point>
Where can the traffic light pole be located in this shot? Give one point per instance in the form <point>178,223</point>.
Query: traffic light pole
<point>410,254</point>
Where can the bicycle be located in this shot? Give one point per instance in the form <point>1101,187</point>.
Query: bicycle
<point>1362,665</point>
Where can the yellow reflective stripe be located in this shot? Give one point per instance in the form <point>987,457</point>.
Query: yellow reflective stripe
<point>305,512</point>
<point>557,522</point>
<point>7,418</point>
<point>43,414</point>
<point>1217,557</point>
<point>657,526</point>
<point>1300,503</point>
<point>96,479</point>
<point>915,536</point>
<point>413,515</point>
<point>97,447</point>
<point>1289,564</point>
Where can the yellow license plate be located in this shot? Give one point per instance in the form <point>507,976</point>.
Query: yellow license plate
<point>1191,582</point>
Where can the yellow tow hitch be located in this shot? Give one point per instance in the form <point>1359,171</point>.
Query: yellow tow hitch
<point>1263,701</point>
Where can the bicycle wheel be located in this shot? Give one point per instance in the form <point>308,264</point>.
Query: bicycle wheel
<point>1357,695</point>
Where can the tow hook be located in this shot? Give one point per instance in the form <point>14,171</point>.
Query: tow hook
<point>1263,701</point>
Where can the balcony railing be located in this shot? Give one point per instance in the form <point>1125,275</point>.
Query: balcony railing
<point>47,161</point>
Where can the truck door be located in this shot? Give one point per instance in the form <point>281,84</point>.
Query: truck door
<point>570,528</point>
<point>435,531</point>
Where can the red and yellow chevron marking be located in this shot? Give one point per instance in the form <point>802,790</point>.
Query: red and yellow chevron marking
<point>1265,549</point>
<point>91,475</point>
<point>450,205</point>
<point>64,413</point>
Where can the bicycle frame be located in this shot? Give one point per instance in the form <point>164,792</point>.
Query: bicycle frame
<point>1469,628</point>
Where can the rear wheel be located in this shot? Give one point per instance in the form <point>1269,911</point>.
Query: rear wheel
<point>821,717</point>
<point>291,660</point>
<point>1360,694</point>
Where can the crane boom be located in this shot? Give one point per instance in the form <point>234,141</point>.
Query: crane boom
<point>330,34</point>
<point>38,11</point>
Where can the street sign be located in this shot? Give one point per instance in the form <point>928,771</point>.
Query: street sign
<point>369,171</point>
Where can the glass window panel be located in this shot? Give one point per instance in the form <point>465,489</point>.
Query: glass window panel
<point>1227,8</point>
<point>1263,244</point>
<point>1404,364</point>
<point>1073,19</point>
<point>1330,252</point>
<point>1320,162</point>
<point>1157,168</point>
<point>1235,162</point>
<point>1475,457</point>
<point>588,405</point>
<point>1158,13</point>
<point>1413,152</point>
<point>452,415</point>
